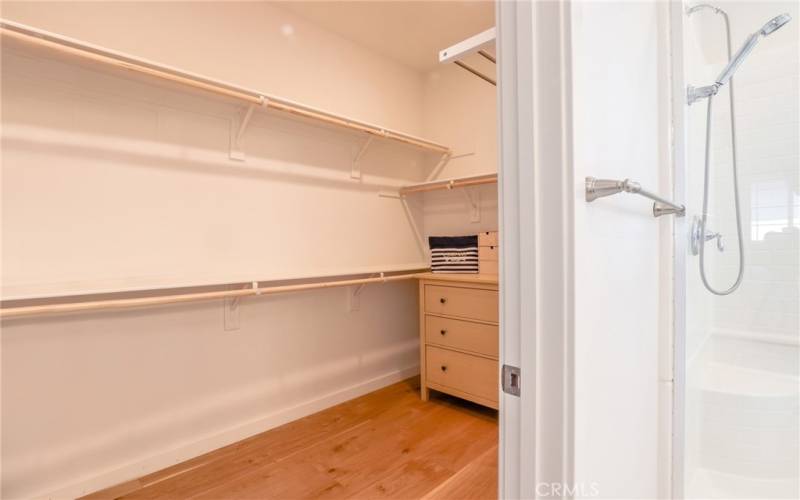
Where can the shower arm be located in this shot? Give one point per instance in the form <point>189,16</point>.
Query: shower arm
<point>598,188</point>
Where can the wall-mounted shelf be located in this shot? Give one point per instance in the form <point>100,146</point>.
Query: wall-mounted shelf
<point>442,184</point>
<point>477,44</point>
<point>12,31</point>
<point>159,300</point>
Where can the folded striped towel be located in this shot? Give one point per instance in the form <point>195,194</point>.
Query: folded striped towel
<point>454,254</point>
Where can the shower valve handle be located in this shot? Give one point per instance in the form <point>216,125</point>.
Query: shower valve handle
<point>716,236</point>
<point>709,235</point>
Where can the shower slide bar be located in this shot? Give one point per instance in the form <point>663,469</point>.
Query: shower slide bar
<point>598,188</point>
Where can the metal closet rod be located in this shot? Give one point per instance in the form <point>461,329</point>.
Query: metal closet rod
<point>450,183</point>
<point>108,57</point>
<point>100,305</point>
<point>487,56</point>
<point>475,72</point>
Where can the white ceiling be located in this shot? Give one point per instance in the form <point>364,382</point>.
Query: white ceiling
<point>410,32</point>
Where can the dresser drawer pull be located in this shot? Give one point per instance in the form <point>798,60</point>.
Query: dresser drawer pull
<point>444,368</point>
<point>443,300</point>
<point>443,332</point>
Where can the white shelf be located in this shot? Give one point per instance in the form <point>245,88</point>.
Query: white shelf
<point>69,47</point>
<point>469,46</point>
<point>455,182</point>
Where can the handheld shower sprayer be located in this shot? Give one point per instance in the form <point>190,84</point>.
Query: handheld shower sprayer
<point>772,25</point>
<point>696,93</point>
<point>700,233</point>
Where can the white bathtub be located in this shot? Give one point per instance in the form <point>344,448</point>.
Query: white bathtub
<point>745,397</point>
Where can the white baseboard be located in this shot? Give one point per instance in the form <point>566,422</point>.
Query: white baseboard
<point>204,444</point>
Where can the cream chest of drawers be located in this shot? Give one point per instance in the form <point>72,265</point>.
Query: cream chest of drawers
<point>459,336</point>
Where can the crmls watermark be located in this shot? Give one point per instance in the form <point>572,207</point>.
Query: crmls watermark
<point>558,490</point>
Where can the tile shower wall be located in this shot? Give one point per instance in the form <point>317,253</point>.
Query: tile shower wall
<point>767,304</point>
<point>741,401</point>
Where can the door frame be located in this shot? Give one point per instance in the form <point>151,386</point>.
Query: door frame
<point>679,112</point>
<point>537,246</point>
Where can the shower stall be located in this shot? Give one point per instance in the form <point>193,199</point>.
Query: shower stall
<point>737,250</point>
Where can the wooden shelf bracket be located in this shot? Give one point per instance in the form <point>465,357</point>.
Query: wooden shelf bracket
<point>355,168</point>
<point>439,166</point>
<point>354,294</point>
<point>231,314</point>
<point>473,198</point>
<point>239,126</point>
<point>412,221</point>
<point>231,308</point>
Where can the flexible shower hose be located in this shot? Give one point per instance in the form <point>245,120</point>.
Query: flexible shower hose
<point>706,176</point>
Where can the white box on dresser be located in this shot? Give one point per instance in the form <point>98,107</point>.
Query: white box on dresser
<point>488,252</point>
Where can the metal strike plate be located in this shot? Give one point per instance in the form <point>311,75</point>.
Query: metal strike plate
<point>511,380</point>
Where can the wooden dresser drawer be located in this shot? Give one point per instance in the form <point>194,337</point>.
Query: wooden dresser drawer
<point>474,337</point>
<point>471,303</point>
<point>466,373</point>
<point>462,361</point>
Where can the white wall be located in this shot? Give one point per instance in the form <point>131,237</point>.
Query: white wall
<point>95,145</point>
<point>460,110</point>
<point>254,45</point>
<point>618,92</point>
<point>93,399</point>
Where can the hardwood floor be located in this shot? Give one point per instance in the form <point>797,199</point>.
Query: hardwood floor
<point>387,444</point>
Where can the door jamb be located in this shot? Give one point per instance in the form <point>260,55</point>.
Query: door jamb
<point>536,197</point>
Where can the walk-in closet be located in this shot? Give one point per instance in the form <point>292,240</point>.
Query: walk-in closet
<point>250,250</point>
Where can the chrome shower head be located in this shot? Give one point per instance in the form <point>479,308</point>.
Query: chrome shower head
<point>771,26</point>
<point>775,24</point>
